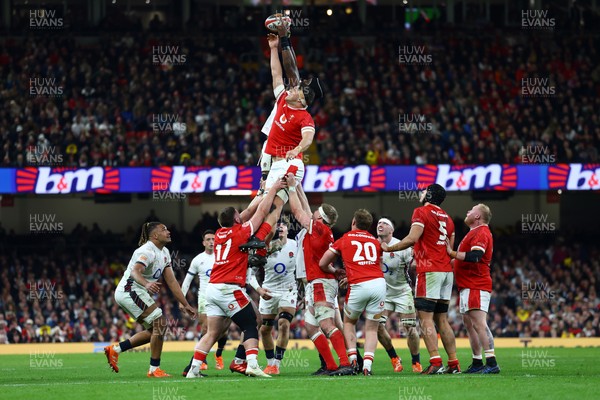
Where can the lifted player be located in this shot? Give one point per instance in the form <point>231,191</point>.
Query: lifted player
<point>399,297</point>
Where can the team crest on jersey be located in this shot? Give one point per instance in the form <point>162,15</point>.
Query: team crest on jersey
<point>291,254</point>
<point>391,255</point>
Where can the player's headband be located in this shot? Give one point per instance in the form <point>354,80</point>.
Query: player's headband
<point>386,221</point>
<point>322,213</point>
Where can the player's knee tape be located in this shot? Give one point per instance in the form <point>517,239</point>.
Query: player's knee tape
<point>150,318</point>
<point>409,322</point>
<point>426,305</point>
<point>246,320</point>
<point>283,195</point>
<point>286,315</point>
<point>324,312</point>
<point>268,321</point>
<point>441,308</point>
<point>383,319</point>
<point>265,160</point>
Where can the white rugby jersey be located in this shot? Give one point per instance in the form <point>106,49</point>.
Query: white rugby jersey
<point>280,269</point>
<point>202,266</point>
<point>395,269</point>
<point>155,261</point>
<point>300,266</point>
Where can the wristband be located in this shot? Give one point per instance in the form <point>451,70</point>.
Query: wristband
<point>292,188</point>
<point>285,42</point>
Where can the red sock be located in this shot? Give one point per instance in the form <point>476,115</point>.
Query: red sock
<point>435,360</point>
<point>452,363</point>
<point>200,355</point>
<point>337,340</point>
<point>261,252</point>
<point>322,345</point>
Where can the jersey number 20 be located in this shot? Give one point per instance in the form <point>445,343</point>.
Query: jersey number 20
<point>364,251</point>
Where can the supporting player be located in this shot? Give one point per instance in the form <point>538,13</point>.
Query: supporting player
<point>134,294</point>
<point>202,266</point>
<point>472,271</point>
<point>225,296</point>
<point>280,281</point>
<point>399,298</point>
<point>430,228</point>
<point>361,254</point>
<point>322,288</point>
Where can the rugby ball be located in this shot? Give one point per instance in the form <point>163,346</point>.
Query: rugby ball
<point>272,22</point>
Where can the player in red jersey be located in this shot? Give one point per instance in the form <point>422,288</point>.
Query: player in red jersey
<point>290,127</point>
<point>430,228</point>
<point>361,254</point>
<point>472,271</point>
<point>322,288</point>
<point>225,295</point>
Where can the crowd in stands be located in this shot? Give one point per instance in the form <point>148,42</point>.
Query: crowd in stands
<point>545,286</point>
<point>119,106</point>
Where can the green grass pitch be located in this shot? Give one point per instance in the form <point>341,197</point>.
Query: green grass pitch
<point>549,373</point>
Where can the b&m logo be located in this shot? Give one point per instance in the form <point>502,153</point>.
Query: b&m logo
<point>484,177</point>
<point>331,179</point>
<point>574,176</point>
<point>182,179</point>
<point>48,180</point>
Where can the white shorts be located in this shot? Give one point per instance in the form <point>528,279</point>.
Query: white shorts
<point>434,285</point>
<point>368,296</point>
<point>281,299</point>
<point>403,303</point>
<point>134,301</point>
<point>225,300</point>
<point>473,299</point>
<point>278,170</point>
<point>202,303</point>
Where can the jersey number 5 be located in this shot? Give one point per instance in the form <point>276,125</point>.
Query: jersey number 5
<point>223,256</point>
<point>444,232</point>
<point>369,250</point>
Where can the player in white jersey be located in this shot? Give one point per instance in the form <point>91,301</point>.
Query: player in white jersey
<point>134,295</point>
<point>201,266</point>
<point>399,297</point>
<point>280,280</point>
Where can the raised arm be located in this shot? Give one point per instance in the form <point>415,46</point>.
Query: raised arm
<point>300,214</point>
<point>251,209</point>
<point>276,71</point>
<point>288,54</point>
<point>265,204</point>
<point>303,199</point>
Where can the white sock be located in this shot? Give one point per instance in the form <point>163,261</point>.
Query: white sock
<point>489,353</point>
<point>153,368</point>
<point>270,361</point>
<point>276,362</point>
<point>117,348</point>
<point>477,357</point>
<point>352,358</point>
<point>252,360</point>
<point>367,364</point>
<point>196,363</point>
